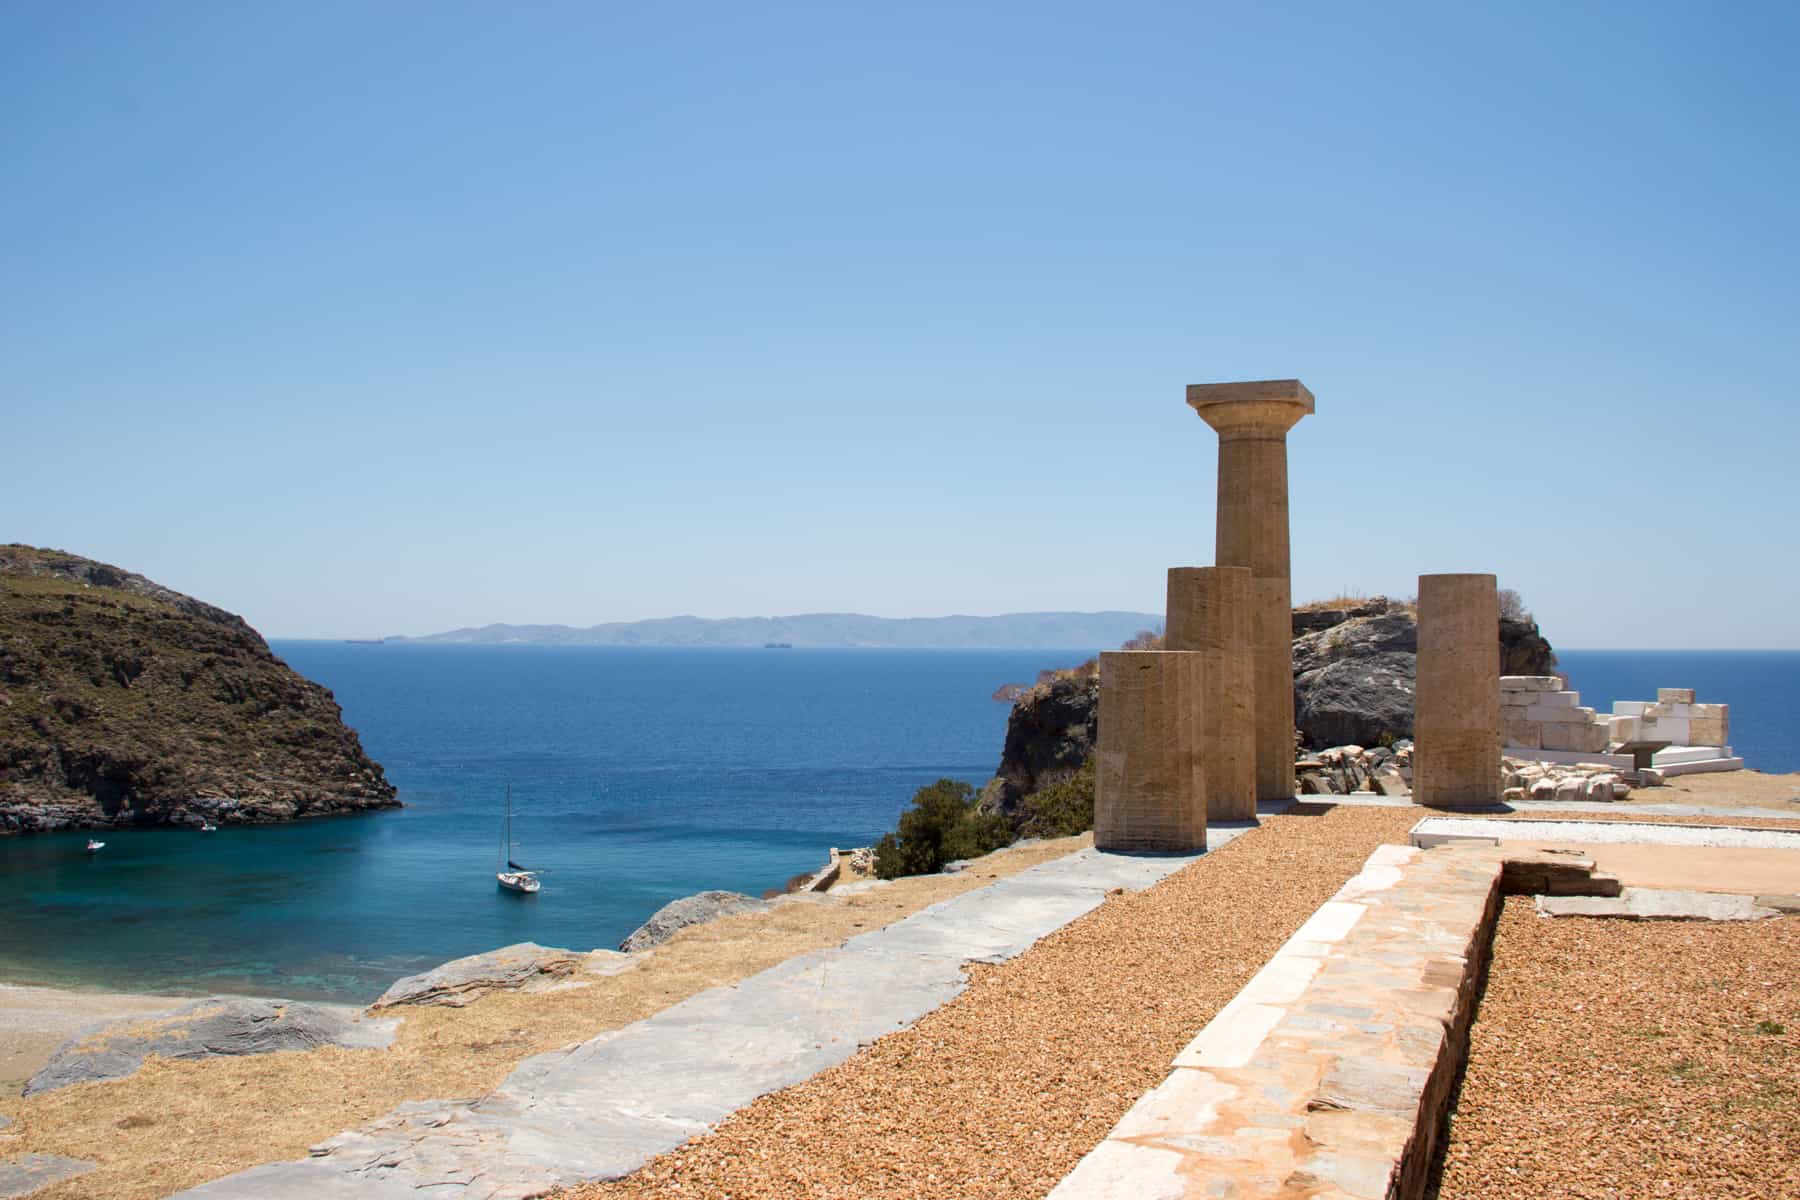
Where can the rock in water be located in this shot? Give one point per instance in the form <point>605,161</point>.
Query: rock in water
<point>689,910</point>
<point>461,981</point>
<point>212,1028</point>
<point>124,703</point>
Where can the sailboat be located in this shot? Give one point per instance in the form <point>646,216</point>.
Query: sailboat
<point>511,876</point>
<point>94,847</point>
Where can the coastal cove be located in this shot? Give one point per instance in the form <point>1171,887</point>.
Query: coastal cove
<point>638,776</point>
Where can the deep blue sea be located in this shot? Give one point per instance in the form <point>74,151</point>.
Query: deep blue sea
<point>638,775</point>
<point>1761,686</point>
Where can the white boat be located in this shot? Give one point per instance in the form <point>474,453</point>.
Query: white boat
<point>208,827</point>
<point>94,847</point>
<point>511,876</point>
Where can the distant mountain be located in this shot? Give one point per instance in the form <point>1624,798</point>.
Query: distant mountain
<point>1010,631</point>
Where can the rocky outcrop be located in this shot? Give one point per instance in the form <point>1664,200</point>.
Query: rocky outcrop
<point>212,1028</point>
<point>677,915</point>
<point>125,703</point>
<point>1049,735</point>
<point>523,966</point>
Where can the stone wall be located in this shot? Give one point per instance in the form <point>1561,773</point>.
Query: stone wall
<point>1537,712</point>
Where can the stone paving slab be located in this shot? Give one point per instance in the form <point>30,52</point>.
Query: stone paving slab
<point>1436,830</point>
<point>1327,1075</point>
<point>28,1172</point>
<point>1660,904</point>
<point>602,1108</point>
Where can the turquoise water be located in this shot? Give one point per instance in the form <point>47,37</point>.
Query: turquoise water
<point>638,775</point>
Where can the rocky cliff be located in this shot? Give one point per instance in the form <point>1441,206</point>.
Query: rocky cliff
<point>1353,683</point>
<point>123,702</point>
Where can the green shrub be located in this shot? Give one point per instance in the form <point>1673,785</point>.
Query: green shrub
<point>943,825</point>
<point>1062,809</point>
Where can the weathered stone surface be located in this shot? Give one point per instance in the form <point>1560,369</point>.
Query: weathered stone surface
<point>1150,785</point>
<point>1456,763</point>
<point>1660,904</point>
<point>28,1173</point>
<point>1354,682</point>
<point>464,980</point>
<point>689,910</point>
<point>1209,615</point>
<point>212,1028</point>
<point>1252,420</point>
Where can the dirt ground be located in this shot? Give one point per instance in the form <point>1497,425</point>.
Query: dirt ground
<point>177,1124</point>
<point>34,1021</point>
<point>1729,789</point>
<point>1613,1060</point>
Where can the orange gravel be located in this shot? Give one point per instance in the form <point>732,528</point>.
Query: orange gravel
<point>1000,1092</point>
<point>1611,1060</point>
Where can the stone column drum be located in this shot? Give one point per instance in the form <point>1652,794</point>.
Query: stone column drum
<point>1456,719</point>
<point>1252,421</point>
<point>1149,783</point>
<point>1209,615</point>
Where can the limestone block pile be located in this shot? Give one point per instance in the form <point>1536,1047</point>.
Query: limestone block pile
<point>1523,779</point>
<point>1674,718</point>
<point>1341,770</point>
<point>1537,712</point>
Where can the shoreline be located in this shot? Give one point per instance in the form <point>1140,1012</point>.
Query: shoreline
<point>35,1019</point>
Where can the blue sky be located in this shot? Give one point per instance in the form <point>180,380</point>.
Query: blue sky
<point>363,319</point>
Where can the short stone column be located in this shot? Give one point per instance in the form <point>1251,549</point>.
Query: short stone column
<point>1252,421</point>
<point>1456,718</point>
<point>1149,783</point>
<point>1208,615</point>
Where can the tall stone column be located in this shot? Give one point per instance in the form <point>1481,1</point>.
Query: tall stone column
<point>1456,719</point>
<point>1149,783</point>
<point>1208,615</point>
<point>1252,420</point>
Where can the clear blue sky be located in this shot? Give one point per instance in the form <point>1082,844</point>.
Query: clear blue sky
<point>363,319</point>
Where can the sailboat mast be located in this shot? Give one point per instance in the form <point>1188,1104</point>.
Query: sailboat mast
<point>506,829</point>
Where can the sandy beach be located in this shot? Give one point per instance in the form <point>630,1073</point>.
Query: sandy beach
<point>34,1021</point>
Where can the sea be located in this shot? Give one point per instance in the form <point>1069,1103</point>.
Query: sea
<point>637,775</point>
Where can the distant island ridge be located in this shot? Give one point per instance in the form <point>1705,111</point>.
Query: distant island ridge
<point>1008,631</point>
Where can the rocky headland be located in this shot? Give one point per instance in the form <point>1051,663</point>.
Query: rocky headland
<point>1354,671</point>
<point>123,702</point>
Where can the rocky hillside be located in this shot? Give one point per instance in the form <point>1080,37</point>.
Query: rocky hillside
<point>123,702</point>
<point>1353,684</point>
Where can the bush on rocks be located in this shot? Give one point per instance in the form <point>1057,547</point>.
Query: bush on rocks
<point>944,824</point>
<point>1062,809</point>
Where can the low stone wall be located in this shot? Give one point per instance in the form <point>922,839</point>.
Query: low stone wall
<point>1674,718</point>
<point>1331,1073</point>
<point>1537,712</point>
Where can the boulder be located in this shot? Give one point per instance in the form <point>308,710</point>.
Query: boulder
<point>1049,735</point>
<point>689,910</point>
<point>525,965</point>
<point>1388,782</point>
<point>212,1028</point>
<point>1353,682</point>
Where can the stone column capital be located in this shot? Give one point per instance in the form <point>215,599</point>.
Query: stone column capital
<point>1254,408</point>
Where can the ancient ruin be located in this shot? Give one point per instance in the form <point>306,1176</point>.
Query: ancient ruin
<point>1456,726</point>
<point>1209,616</point>
<point>1149,782</point>
<point>1252,420</point>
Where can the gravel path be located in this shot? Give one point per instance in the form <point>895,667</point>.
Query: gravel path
<point>1000,1092</point>
<point>1616,1059</point>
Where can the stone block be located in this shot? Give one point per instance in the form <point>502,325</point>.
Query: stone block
<point>1558,699</point>
<point>1558,714</point>
<point>1625,729</point>
<point>1675,695</point>
<point>1559,736</point>
<point>1673,730</point>
<point>1531,683</point>
<point>1707,712</point>
<point>1706,732</point>
<point>1525,735</point>
<point>1630,708</point>
<point>1150,781</point>
<point>1513,712</point>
